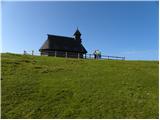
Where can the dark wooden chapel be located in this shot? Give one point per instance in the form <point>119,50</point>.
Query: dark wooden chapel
<point>62,46</point>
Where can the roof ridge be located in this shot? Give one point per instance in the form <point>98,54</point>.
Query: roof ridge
<point>59,36</point>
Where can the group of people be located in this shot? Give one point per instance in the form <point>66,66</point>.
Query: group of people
<point>97,54</point>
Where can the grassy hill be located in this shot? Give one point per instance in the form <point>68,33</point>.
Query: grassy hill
<point>48,87</point>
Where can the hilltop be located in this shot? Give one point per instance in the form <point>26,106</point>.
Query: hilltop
<point>49,87</point>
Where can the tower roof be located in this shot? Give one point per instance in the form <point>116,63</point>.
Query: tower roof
<point>77,32</point>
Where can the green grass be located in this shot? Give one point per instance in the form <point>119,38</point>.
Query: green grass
<point>48,87</point>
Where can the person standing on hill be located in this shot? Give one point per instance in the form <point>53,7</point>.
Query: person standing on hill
<point>95,54</point>
<point>99,54</point>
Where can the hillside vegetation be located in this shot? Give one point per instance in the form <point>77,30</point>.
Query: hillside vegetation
<point>49,87</point>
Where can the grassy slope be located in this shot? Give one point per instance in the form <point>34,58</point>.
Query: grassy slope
<point>47,87</point>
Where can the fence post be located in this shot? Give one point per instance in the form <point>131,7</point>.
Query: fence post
<point>85,56</point>
<point>32,52</point>
<point>78,55</point>
<point>55,54</point>
<point>24,52</point>
<point>90,56</point>
<point>66,54</point>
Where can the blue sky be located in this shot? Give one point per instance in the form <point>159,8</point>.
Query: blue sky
<point>127,29</point>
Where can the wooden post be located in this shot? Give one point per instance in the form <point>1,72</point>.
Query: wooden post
<point>32,52</point>
<point>55,54</point>
<point>78,55</point>
<point>25,52</point>
<point>66,54</point>
<point>85,56</point>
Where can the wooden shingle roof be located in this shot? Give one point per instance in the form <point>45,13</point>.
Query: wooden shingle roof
<point>62,43</point>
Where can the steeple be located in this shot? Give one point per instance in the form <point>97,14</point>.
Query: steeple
<point>77,35</point>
